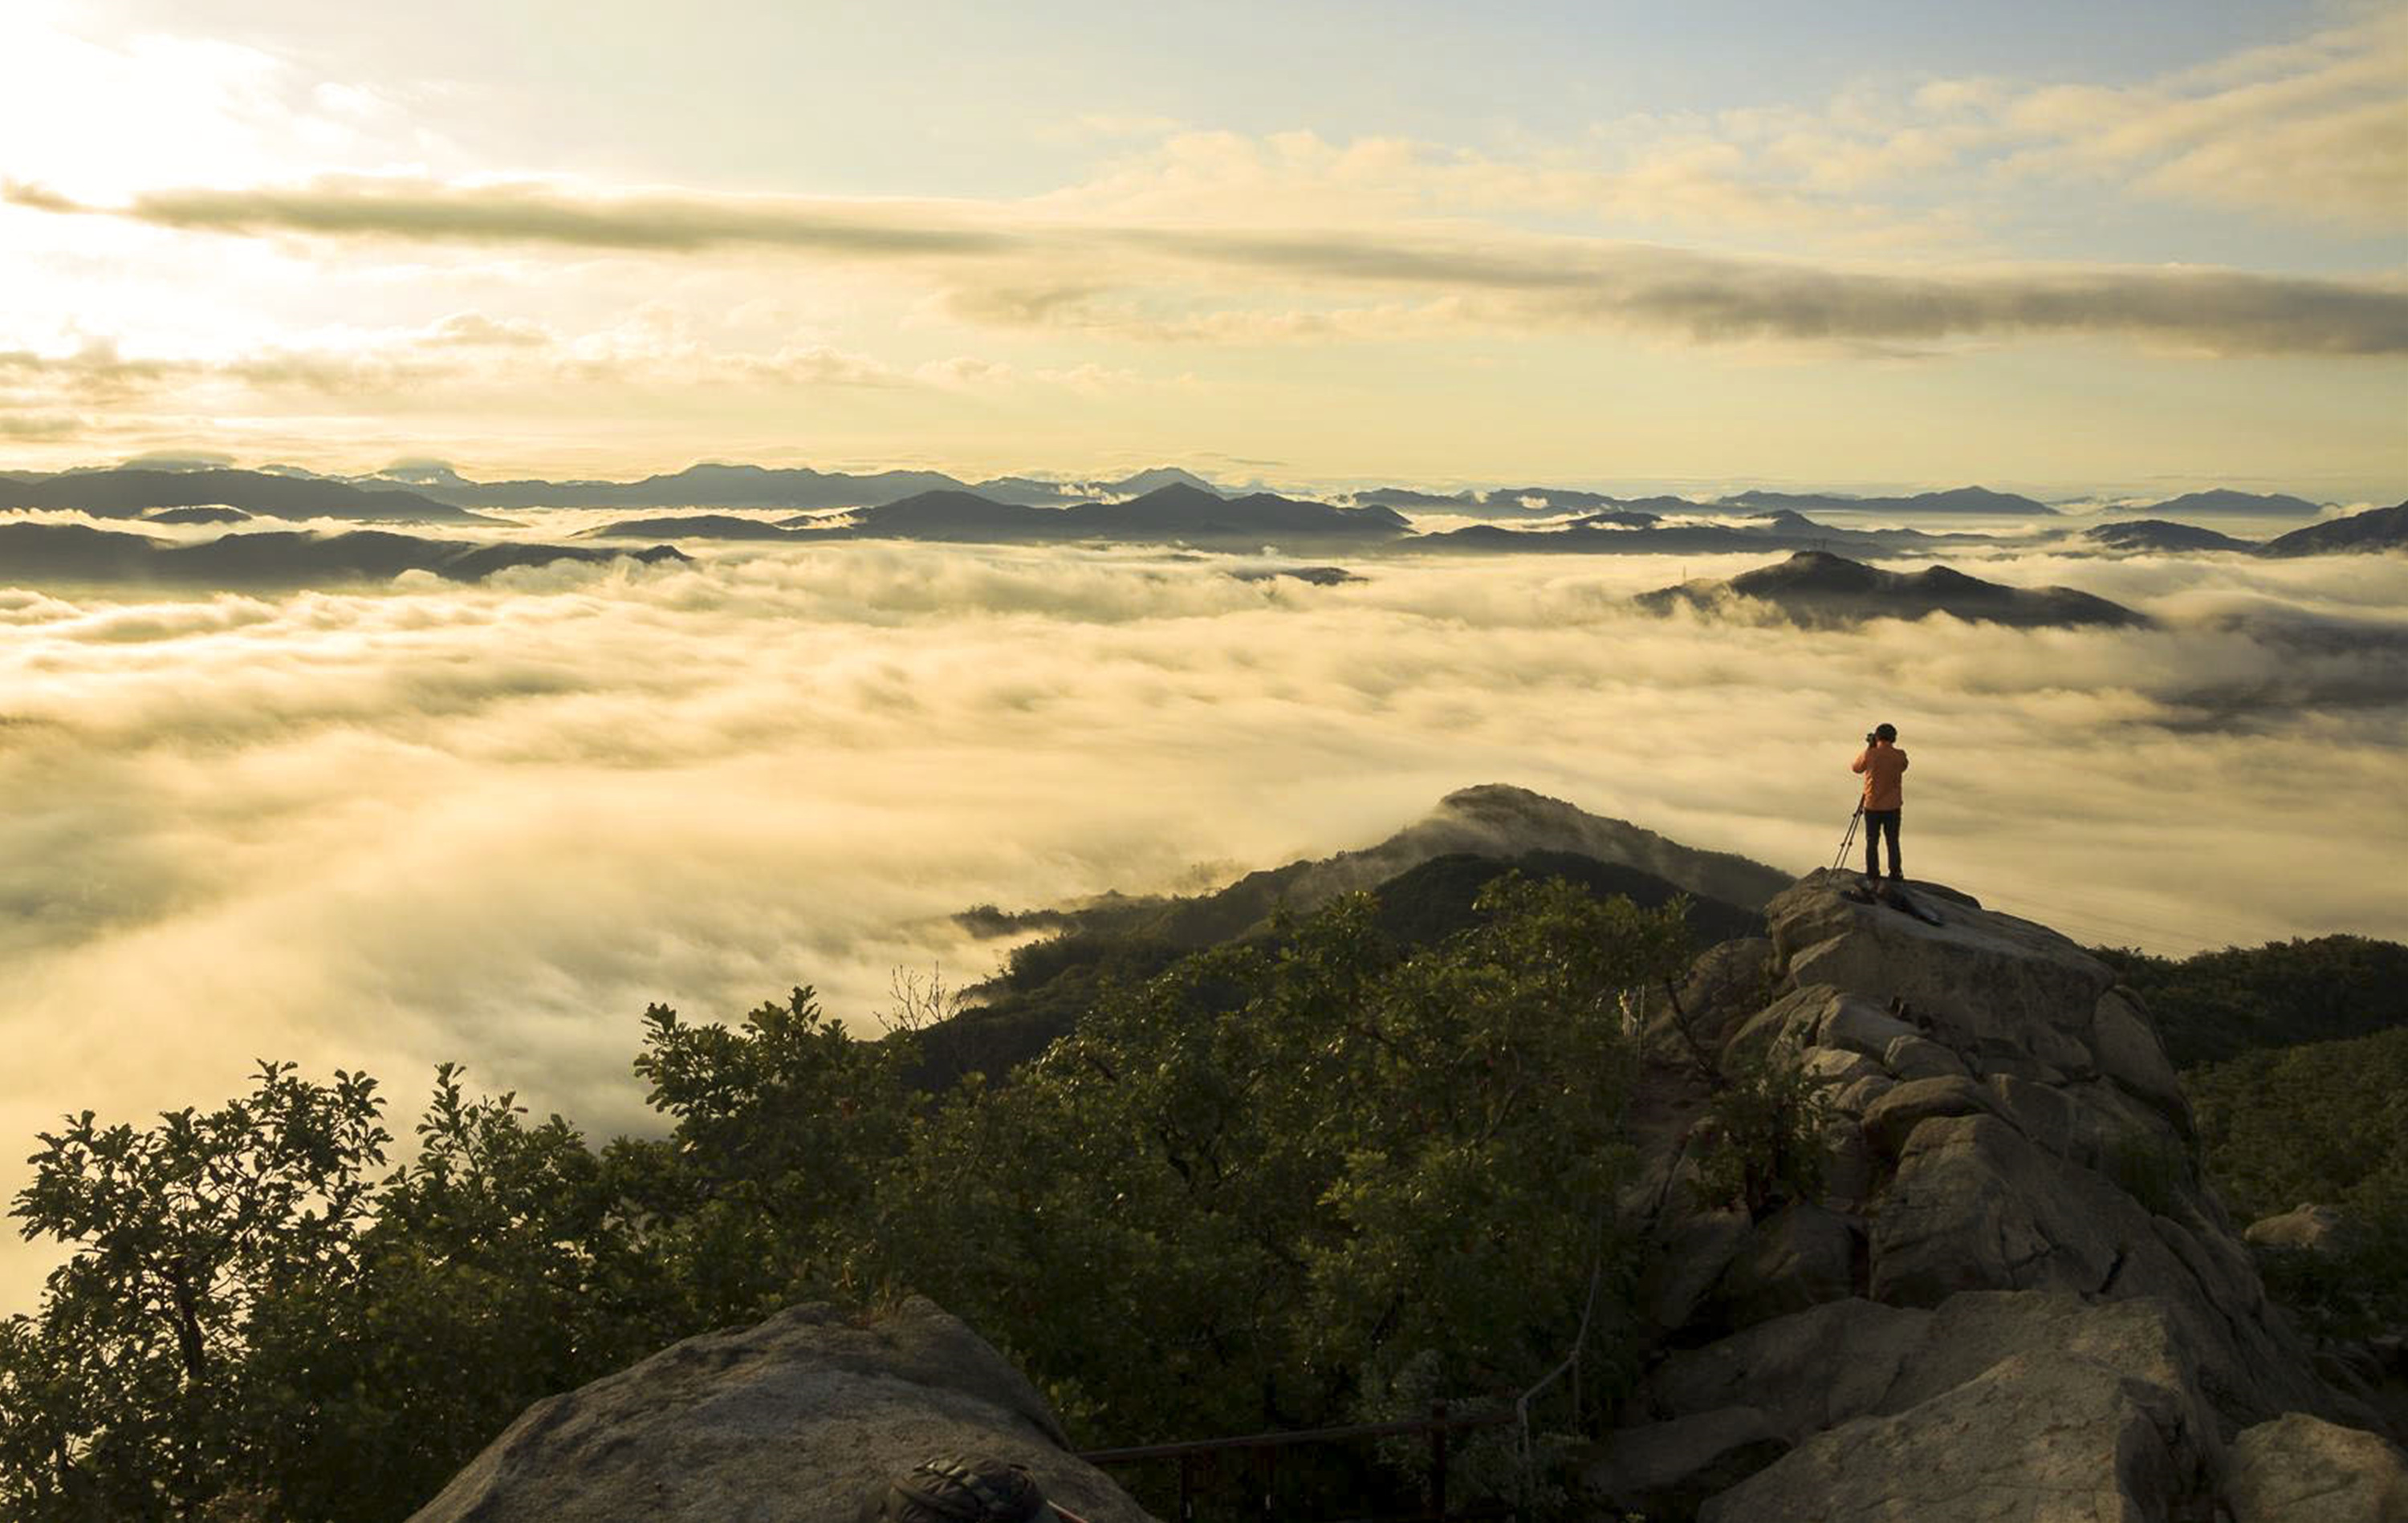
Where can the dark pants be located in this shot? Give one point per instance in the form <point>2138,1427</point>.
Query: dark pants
<point>1876,822</point>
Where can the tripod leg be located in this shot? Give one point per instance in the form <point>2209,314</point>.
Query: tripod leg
<point>1850,839</point>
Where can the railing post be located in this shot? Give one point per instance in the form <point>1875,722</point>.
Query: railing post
<point>1438,1460</point>
<point>1186,1489</point>
<point>1265,1459</point>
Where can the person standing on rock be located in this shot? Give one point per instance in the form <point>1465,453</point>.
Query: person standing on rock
<point>1885,768</point>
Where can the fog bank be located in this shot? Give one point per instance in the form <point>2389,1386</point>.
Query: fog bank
<point>491,823</point>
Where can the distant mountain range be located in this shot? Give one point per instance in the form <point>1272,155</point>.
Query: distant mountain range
<point>764,487</point>
<point>1168,514</point>
<point>77,552</point>
<point>1957,500</point>
<point>1818,589</point>
<point>1512,502</point>
<point>1528,501</point>
<point>1168,505</point>
<point>1182,514</point>
<point>2162,535</point>
<point>2223,502</point>
<point>1629,532</point>
<point>2377,529</point>
<point>132,493</point>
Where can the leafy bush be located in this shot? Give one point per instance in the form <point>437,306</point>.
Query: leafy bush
<point>1766,1144</point>
<point>1300,1180</point>
<point>2325,1123</point>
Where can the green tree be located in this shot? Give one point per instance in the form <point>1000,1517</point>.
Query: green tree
<point>1260,1187</point>
<point>502,1265</point>
<point>129,1396</point>
<point>2324,1123</point>
<point>780,1126</point>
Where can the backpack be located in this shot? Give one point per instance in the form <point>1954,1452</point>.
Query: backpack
<point>954,1488</point>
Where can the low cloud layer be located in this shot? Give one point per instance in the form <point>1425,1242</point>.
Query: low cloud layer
<point>386,829</point>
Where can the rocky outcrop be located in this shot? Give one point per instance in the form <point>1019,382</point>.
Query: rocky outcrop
<point>2304,1229</point>
<point>2298,1470</point>
<point>2011,1294</point>
<point>792,1421</point>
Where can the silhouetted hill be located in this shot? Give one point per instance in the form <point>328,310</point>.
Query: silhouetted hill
<point>1509,503</point>
<point>1816,588</point>
<point>2377,529</point>
<point>1312,576</point>
<point>2225,503</point>
<point>196,515</point>
<point>1955,500</point>
<point>73,552</point>
<point>963,515</point>
<point>1192,512</point>
<point>2216,1006</point>
<point>1166,515</point>
<point>1424,877</point>
<point>129,493</point>
<point>1407,497</point>
<point>1631,532</point>
<point>2158,534</point>
<point>716,484</point>
<point>1138,483</point>
<point>1550,500</point>
<point>721,486</point>
<point>690,526</point>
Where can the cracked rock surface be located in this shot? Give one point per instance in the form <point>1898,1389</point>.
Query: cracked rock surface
<point>792,1421</point>
<point>2046,1312</point>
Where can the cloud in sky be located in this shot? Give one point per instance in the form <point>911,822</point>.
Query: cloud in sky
<point>1494,279</point>
<point>2072,245</point>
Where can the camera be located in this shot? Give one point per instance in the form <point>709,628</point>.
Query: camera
<point>1871,737</point>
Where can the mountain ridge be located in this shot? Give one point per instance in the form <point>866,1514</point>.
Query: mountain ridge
<point>1818,587</point>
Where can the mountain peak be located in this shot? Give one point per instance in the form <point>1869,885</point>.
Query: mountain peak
<point>1137,483</point>
<point>1817,587</point>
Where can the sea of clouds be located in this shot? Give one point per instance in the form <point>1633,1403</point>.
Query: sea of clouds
<point>491,823</point>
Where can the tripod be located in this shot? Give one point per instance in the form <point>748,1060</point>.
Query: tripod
<point>1850,839</point>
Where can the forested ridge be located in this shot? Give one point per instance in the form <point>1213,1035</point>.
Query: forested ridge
<point>1320,1172</point>
<point>1281,1182</point>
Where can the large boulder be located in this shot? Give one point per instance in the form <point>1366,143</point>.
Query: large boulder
<point>2297,1469</point>
<point>2049,1434</point>
<point>1804,1372</point>
<point>1974,1206</point>
<point>1665,1469</point>
<point>790,1421</point>
<point>1851,1359</point>
<point>2128,1051</point>
<point>2305,1229</point>
<point>1800,1255</point>
<point>1978,976</point>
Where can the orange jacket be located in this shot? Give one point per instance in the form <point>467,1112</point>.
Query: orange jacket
<point>1884,769</point>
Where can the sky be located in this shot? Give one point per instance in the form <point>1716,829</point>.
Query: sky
<point>2055,247</point>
